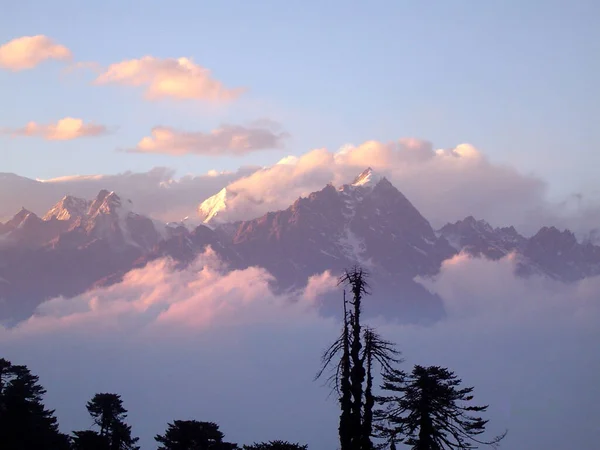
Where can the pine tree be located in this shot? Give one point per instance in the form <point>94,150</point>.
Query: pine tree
<point>430,411</point>
<point>89,440</point>
<point>109,415</point>
<point>193,435</point>
<point>24,421</point>
<point>275,445</point>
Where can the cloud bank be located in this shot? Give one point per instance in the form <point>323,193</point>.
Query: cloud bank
<point>63,130</point>
<point>29,51</point>
<point>235,140</point>
<point>175,78</point>
<point>210,344</point>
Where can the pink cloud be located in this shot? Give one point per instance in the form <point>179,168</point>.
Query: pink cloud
<point>205,293</point>
<point>228,139</point>
<point>64,130</point>
<point>178,78</point>
<point>28,51</point>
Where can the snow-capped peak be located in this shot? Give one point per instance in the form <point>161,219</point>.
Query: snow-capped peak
<point>69,208</point>
<point>367,178</point>
<point>212,206</point>
<point>109,203</point>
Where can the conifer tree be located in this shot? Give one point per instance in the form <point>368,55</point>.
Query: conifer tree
<point>193,435</point>
<point>275,445</point>
<point>109,415</point>
<point>429,411</point>
<point>25,423</point>
<point>89,440</point>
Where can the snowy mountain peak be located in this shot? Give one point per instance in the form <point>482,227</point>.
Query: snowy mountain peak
<point>367,178</point>
<point>210,208</point>
<point>109,203</point>
<point>69,208</point>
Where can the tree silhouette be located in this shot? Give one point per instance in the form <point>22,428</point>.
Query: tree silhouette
<point>24,421</point>
<point>193,435</point>
<point>275,445</point>
<point>429,411</point>
<point>355,365</point>
<point>89,440</point>
<point>383,352</point>
<point>109,414</point>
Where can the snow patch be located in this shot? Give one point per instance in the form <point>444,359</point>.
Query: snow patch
<point>368,178</point>
<point>210,208</point>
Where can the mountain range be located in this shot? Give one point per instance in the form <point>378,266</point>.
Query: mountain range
<point>80,244</point>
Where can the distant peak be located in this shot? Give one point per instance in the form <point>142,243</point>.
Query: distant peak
<point>367,177</point>
<point>69,208</point>
<point>107,202</point>
<point>102,194</point>
<point>210,208</point>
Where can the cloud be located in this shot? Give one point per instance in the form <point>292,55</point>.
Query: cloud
<point>64,130</point>
<point>228,139</point>
<point>499,295</point>
<point>204,294</point>
<point>177,78</point>
<point>28,51</point>
<point>211,344</point>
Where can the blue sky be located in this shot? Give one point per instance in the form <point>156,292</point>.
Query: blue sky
<point>517,79</point>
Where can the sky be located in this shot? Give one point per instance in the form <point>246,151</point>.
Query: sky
<point>516,79</point>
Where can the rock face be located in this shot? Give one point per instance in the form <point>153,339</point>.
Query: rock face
<point>79,244</point>
<point>478,238</point>
<point>560,256</point>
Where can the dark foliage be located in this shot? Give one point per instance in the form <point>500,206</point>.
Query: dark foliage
<point>89,440</point>
<point>275,445</point>
<point>109,415</point>
<point>24,421</point>
<point>429,411</point>
<point>193,435</point>
<point>376,350</point>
